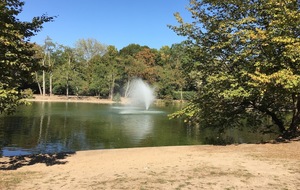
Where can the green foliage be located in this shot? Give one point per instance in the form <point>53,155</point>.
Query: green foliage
<point>131,50</point>
<point>186,95</point>
<point>86,51</point>
<point>173,73</point>
<point>17,60</point>
<point>117,97</point>
<point>111,70</point>
<point>246,61</point>
<point>27,93</point>
<point>88,48</point>
<point>84,70</point>
<point>9,98</point>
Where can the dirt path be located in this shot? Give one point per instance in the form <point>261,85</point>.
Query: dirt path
<point>268,166</point>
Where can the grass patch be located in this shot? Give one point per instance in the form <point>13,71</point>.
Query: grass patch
<point>161,181</point>
<point>9,180</point>
<point>180,186</point>
<point>294,169</point>
<point>208,171</point>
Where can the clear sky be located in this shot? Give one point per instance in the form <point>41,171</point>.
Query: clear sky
<point>111,22</point>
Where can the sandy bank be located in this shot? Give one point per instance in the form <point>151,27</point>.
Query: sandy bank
<point>84,99</point>
<point>263,166</point>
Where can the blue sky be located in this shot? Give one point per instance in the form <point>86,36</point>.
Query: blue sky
<point>111,22</point>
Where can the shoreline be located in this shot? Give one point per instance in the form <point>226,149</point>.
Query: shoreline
<point>245,166</point>
<point>89,99</point>
<point>83,99</point>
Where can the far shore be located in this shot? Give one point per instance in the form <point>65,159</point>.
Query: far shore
<point>84,99</point>
<point>88,99</point>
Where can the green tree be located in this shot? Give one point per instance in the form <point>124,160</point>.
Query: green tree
<point>17,60</point>
<point>181,59</point>
<point>100,84</point>
<point>86,50</point>
<point>145,65</point>
<point>173,70</point>
<point>178,64</point>
<point>39,54</point>
<point>114,68</point>
<point>108,70</point>
<point>247,57</point>
<point>64,72</point>
<point>165,84</point>
<point>134,64</point>
<point>131,50</point>
<point>48,62</point>
<point>133,60</point>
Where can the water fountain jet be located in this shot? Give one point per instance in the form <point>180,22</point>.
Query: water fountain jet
<point>140,93</point>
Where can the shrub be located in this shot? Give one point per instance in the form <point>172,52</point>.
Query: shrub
<point>27,93</point>
<point>117,98</point>
<point>186,95</point>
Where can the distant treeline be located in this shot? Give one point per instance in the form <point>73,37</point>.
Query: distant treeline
<point>94,69</point>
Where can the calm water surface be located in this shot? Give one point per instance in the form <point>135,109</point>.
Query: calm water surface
<point>47,127</point>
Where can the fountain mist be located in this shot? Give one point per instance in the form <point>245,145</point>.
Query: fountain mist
<point>140,93</point>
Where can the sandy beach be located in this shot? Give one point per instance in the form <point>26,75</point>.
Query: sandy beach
<point>245,166</point>
<point>83,99</point>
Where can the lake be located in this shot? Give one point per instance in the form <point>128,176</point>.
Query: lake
<point>46,127</point>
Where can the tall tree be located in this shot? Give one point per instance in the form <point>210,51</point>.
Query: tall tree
<point>17,62</point>
<point>145,61</point>
<point>172,73</point>
<point>64,71</point>
<point>113,69</point>
<point>131,50</point>
<point>133,67</point>
<point>108,72</point>
<point>39,54</point>
<point>100,85</point>
<point>48,63</point>
<point>49,48</point>
<point>247,59</point>
<point>86,50</point>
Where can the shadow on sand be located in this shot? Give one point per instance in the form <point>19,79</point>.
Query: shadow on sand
<point>16,162</point>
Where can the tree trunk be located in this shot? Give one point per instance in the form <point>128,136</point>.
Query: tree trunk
<point>181,95</point>
<point>44,83</point>
<point>277,121</point>
<point>38,83</point>
<point>50,74</point>
<point>67,88</point>
<point>50,84</point>
<point>112,88</point>
<point>44,77</point>
<point>293,130</point>
<point>77,92</point>
<point>68,78</point>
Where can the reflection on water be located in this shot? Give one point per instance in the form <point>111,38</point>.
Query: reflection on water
<point>55,127</point>
<point>61,127</point>
<point>137,126</point>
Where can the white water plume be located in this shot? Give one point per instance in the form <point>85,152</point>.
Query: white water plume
<point>140,93</point>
